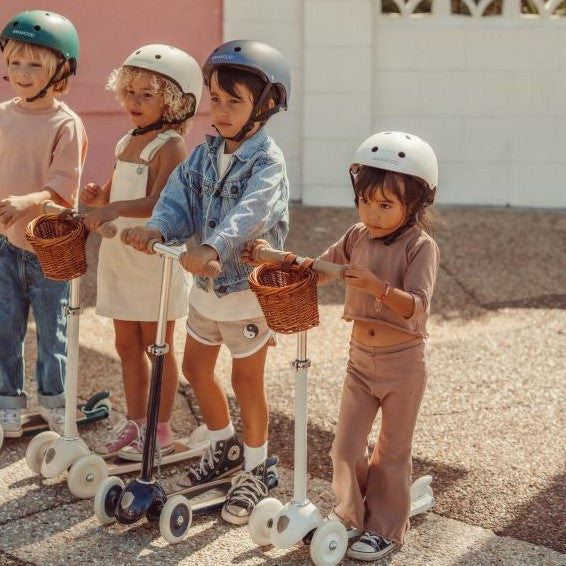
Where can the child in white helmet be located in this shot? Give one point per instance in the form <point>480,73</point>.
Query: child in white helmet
<point>42,150</point>
<point>159,87</point>
<point>233,188</point>
<point>392,264</point>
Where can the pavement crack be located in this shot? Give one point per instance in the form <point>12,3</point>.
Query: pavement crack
<point>12,560</point>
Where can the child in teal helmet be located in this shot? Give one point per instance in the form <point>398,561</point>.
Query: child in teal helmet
<point>42,151</point>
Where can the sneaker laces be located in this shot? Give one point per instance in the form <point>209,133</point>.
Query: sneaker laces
<point>206,464</point>
<point>247,489</point>
<point>120,430</point>
<point>373,540</point>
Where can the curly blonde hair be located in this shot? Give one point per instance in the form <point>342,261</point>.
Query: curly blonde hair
<point>47,57</point>
<point>177,105</point>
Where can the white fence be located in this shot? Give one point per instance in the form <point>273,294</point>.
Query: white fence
<point>487,91</point>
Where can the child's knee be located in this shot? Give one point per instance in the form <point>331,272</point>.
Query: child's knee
<point>127,349</point>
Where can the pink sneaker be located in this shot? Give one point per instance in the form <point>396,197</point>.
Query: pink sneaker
<point>165,444</point>
<point>123,434</point>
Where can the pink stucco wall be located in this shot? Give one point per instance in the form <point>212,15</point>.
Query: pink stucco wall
<point>109,30</point>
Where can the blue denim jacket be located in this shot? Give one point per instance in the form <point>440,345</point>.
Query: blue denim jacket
<point>251,200</point>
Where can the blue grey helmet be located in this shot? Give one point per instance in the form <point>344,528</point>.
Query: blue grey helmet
<point>260,59</point>
<point>256,57</point>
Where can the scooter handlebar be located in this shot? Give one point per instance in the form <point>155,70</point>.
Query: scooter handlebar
<point>211,270</point>
<point>264,253</point>
<point>106,230</point>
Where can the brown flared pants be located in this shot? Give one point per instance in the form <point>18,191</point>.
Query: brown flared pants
<point>373,492</point>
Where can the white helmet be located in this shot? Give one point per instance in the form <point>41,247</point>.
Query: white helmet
<point>400,152</point>
<point>172,63</point>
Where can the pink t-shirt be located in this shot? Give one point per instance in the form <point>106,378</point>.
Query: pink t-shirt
<point>410,263</point>
<point>39,149</point>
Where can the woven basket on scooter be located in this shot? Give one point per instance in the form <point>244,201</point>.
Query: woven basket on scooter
<point>59,243</point>
<point>287,296</point>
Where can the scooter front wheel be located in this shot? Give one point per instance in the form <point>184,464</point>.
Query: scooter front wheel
<point>175,519</point>
<point>105,499</point>
<point>329,543</point>
<point>261,519</point>
<point>85,475</point>
<point>37,448</point>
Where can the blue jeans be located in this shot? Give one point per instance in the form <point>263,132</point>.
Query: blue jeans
<point>22,284</point>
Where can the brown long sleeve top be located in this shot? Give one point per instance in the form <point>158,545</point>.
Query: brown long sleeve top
<point>410,263</point>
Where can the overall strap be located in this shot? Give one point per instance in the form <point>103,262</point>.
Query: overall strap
<point>149,151</point>
<point>122,143</point>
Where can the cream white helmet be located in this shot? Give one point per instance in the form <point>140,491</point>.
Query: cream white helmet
<point>172,63</point>
<point>399,152</point>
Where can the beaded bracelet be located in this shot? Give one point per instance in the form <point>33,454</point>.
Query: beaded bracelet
<point>378,305</point>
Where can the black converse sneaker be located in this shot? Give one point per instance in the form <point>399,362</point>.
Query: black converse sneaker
<point>248,489</point>
<point>371,547</point>
<point>225,459</point>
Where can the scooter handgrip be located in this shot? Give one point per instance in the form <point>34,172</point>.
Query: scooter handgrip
<point>331,270</point>
<point>107,230</point>
<point>269,255</point>
<point>49,207</point>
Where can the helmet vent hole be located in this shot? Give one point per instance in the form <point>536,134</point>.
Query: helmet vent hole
<point>408,137</point>
<point>36,28</point>
<point>387,133</point>
<point>374,148</point>
<point>158,56</point>
<point>237,48</point>
<point>138,52</point>
<point>401,154</point>
<point>15,23</point>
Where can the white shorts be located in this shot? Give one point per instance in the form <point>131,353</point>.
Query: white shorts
<point>242,337</point>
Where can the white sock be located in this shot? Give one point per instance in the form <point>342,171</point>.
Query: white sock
<point>222,434</point>
<point>253,457</point>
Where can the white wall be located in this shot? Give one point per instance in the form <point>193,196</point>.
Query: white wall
<point>489,93</point>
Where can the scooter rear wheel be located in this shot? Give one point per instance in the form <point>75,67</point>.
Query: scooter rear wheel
<point>105,499</point>
<point>175,519</point>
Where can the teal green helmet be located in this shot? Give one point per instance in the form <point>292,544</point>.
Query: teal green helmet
<point>47,29</point>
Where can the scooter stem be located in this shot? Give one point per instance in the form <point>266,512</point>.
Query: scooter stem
<point>301,365</point>
<point>157,351</point>
<point>72,312</point>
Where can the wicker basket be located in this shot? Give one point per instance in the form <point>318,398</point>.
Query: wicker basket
<point>287,296</point>
<point>59,243</point>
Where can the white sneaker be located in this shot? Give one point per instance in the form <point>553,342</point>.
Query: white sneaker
<point>55,418</point>
<point>11,422</point>
<point>352,531</point>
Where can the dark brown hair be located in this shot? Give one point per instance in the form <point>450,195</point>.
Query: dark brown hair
<point>228,77</point>
<point>411,191</point>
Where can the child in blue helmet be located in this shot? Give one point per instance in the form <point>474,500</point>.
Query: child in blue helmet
<point>233,188</point>
<point>42,151</point>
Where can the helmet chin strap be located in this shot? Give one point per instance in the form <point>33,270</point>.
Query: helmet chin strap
<point>263,117</point>
<point>158,124</point>
<point>44,90</point>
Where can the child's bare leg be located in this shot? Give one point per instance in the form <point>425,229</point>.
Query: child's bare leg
<point>198,367</point>
<point>135,367</point>
<point>170,376</point>
<point>248,384</point>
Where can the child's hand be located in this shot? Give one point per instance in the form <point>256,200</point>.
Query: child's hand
<point>139,237</point>
<point>99,216</point>
<point>196,259</point>
<point>362,278</point>
<point>92,196</point>
<point>247,255</point>
<point>13,208</point>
